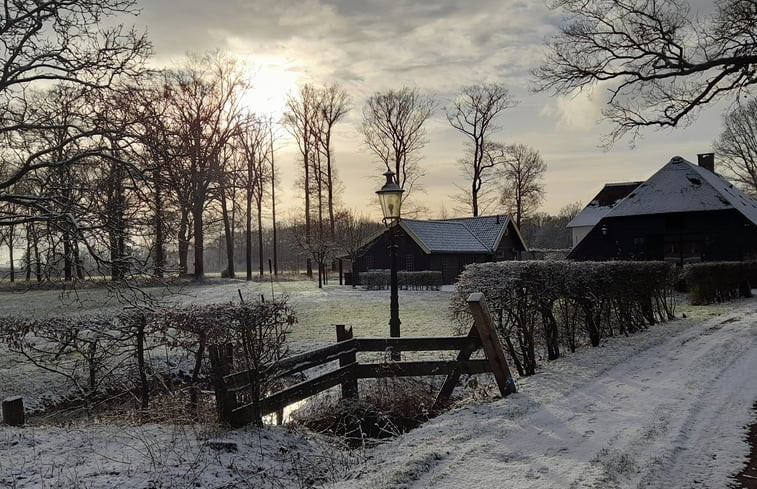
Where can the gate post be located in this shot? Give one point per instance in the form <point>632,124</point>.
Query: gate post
<point>491,344</point>
<point>349,386</point>
<point>221,361</point>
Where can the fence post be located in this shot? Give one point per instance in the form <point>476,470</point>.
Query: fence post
<point>349,386</point>
<point>221,358</point>
<point>491,344</point>
<point>13,411</point>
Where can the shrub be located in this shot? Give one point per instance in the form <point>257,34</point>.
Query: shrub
<point>543,305</point>
<point>718,281</point>
<point>422,280</point>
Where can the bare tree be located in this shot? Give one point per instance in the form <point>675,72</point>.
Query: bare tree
<point>302,121</point>
<point>255,146</point>
<point>353,231</point>
<point>661,64</point>
<point>393,130</point>
<point>522,170</point>
<point>334,105</point>
<point>57,41</point>
<point>737,145</point>
<point>473,113</point>
<point>205,99</point>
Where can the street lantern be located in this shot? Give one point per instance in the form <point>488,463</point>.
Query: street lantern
<point>390,197</point>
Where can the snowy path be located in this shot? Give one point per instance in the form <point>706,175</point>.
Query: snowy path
<point>664,409</point>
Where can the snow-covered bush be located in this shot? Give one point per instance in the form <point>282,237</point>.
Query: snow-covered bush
<point>539,306</point>
<point>718,281</point>
<point>100,352</point>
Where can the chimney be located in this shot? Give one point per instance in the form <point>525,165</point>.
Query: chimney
<point>707,161</point>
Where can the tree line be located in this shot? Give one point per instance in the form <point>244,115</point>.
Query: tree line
<point>105,161</point>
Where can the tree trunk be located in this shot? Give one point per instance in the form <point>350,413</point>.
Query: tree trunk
<point>229,233</point>
<point>160,252</point>
<point>248,230</point>
<point>141,365</point>
<point>183,242</point>
<point>260,234</point>
<point>10,240</point>
<point>199,267</point>
<point>273,206</point>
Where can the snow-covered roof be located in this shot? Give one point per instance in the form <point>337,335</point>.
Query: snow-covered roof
<point>488,229</point>
<point>602,203</point>
<point>681,186</point>
<point>442,236</point>
<point>460,235</point>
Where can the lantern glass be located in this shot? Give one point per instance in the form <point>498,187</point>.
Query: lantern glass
<point>390,197</point>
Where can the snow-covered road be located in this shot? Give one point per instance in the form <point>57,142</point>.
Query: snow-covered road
<point>664,409</point>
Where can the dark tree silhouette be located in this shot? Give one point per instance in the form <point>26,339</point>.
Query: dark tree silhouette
<point>660,62</point>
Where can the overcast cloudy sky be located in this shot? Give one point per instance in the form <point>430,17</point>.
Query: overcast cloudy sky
<point>437,46</point>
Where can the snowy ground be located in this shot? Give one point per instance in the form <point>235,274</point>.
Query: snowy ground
<point>664,409</point>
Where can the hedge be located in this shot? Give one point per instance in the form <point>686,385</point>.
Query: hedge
<point>546,305</point>
<point>718,281</point>
<point>423,280</point>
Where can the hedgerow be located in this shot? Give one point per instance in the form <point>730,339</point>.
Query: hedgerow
<point>718,281</point>
<point>421,280</point>
<point>112,351</point>
<point>540,307</point>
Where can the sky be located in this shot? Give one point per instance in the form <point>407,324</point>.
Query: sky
<point>438,47</point>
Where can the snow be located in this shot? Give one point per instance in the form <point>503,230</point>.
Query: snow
<point>663,409</point>
<point>681,186</point>
<point>666,408</point>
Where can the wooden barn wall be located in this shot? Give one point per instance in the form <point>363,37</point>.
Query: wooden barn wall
<point>681,237</point>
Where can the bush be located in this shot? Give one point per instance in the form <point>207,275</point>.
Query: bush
<point>718,281</point>
<point>545,305</point>
<point>423,280</point>
<point>386,408</point>
<point>98,353</point>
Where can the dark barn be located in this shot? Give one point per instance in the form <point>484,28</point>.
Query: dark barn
<point>684,213</point>
<point>446,245</point>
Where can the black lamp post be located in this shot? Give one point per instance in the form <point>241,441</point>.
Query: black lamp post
<point>390,197</point>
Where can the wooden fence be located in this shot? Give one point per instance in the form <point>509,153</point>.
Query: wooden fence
<point>482,335</point>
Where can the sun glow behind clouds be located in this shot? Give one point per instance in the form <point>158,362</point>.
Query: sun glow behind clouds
<point>272,80</point>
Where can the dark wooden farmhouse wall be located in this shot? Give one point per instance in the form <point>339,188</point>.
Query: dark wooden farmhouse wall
<point>681,237</point>
<point>510,247</point>
<point>411,257</point>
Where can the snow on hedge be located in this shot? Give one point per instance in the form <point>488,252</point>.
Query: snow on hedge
<point>540,307</point>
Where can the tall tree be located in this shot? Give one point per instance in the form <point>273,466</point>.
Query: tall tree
<point>393,130</point>
<point>302,120</point>
<point>522,170</point>
<point>51,41</point>
<point>333,107</point>
<point>205,96</point>
<point>736,147</point>
<point>473,113</point>
<point>660,62</point>
<point>254,141</point>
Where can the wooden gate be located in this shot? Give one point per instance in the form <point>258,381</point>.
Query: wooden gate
<point>349,371</point>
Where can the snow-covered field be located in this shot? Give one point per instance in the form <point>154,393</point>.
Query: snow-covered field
<point>666,408</point>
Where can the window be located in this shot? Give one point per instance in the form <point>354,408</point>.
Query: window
<point>409,263</point>
<point>369,262</point>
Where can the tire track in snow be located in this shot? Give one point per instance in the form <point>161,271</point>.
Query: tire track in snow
<point>580,423</point>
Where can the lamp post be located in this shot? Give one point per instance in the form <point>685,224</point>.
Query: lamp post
<point>390,197</point>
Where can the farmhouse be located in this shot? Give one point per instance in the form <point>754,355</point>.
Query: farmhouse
<point>683,213</point>
<point>599,207</point>
<point>445,245</point>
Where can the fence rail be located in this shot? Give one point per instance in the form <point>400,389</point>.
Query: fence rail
<point>481,336</point>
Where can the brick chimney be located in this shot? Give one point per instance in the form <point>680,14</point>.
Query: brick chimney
<point>707,161</point>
